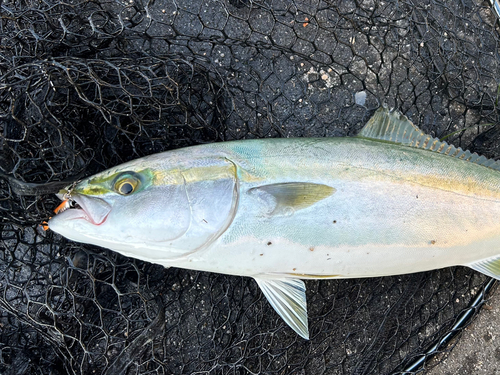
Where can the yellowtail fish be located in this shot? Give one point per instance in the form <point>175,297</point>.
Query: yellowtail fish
<point>389,201</point>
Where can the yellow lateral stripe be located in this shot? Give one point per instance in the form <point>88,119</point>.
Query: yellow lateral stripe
<point>199,174</point>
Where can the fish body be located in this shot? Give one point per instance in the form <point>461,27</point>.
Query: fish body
<point>391,201</point>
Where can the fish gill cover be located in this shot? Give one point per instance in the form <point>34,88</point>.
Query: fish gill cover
<point>88,84</point>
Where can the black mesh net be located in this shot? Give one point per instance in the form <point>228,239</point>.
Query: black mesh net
<point>89,84</point>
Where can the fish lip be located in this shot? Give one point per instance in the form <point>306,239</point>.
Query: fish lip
<point>87,217</point>
<point>78,214</point>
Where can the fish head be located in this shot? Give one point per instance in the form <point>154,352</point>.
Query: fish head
<point>151,211</point>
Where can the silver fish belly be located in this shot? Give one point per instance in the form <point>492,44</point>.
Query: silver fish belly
<point>392,200</point>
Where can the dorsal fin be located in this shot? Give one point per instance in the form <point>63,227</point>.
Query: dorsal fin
<point>392,126</point>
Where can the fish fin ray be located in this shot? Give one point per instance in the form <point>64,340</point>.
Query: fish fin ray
<point>489,266</point>
<point>294,195</point>
<point>288,298</point>
<point>394,127</point>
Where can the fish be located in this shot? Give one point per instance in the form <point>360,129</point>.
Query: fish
<point>390,200</point>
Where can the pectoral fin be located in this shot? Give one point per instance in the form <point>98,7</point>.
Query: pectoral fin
<point>291,196</point>
<point>288,298</point>
<point>488,266</point>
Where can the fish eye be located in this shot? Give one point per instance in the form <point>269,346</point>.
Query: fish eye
<point>126,186</point>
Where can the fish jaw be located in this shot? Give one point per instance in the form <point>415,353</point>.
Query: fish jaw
<point>95,210</point>
<point>91,212</point>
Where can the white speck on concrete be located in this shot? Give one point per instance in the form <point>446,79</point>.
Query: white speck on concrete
<point>360,98</point>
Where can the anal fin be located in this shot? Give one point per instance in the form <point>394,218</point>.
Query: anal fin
<point>488,266</point>
<point>288,297</point>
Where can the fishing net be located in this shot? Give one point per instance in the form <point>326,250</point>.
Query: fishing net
<point>89,84</point>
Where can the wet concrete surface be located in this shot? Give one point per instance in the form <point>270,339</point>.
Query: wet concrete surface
<point>477,351</point>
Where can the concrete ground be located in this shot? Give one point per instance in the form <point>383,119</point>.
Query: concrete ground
<point>477,352</point>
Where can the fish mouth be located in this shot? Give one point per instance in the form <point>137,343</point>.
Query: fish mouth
<point>74,207</point>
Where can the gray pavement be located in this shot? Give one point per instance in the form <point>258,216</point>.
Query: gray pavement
<point>477,352</point>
